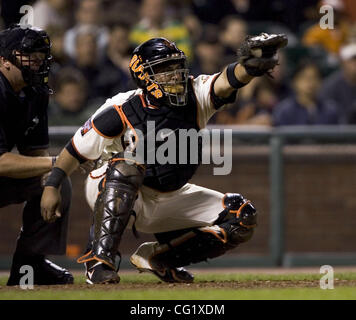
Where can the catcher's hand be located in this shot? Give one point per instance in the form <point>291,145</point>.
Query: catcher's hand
<point>258,54</point>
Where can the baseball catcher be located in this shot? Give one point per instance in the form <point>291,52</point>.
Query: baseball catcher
<point>191,223</point>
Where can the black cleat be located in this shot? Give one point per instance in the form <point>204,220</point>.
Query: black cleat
<point>45,271</point>
<point>141,259</point>
<point>173,275</point>
<point>100,273</point>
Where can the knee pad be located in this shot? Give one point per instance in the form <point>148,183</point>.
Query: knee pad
<point>124,172</point>
<point>118,190</point>
<point>239,208</point>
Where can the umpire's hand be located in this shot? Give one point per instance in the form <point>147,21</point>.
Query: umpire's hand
<point>50,204</point>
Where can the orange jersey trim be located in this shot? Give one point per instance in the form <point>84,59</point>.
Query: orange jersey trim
<point>144,104</point>
<point>120,112</point>
<point>103,135</point>
<point>124,118</point>
<point>96,177</point>
<point>128,159</point>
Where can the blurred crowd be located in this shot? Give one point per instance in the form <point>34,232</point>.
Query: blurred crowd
<point>314,83</point>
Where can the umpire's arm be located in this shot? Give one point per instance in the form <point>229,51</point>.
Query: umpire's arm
<point>19,166</point>
<point>32,163</point>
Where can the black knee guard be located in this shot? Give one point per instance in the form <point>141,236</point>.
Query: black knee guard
<point>113,208</point>
<point>234,226</point>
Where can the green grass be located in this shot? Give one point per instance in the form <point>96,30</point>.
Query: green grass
<point>202,292</point>
<point>342,293</point>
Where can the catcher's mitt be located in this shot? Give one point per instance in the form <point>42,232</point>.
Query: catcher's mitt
<point>258,54</point>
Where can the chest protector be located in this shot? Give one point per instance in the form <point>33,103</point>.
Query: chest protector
<point>168,176</point>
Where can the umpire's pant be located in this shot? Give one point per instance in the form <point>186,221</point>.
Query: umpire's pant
<point>36,236</point>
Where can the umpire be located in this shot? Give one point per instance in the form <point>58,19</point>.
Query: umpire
<point>24,65</point>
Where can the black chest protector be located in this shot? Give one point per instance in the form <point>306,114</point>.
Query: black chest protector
<point>169,176</point>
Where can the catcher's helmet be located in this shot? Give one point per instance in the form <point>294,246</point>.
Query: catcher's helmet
<point>159,68</point>
<point>17,43</point>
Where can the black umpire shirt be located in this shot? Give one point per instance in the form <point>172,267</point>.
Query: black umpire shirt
<point>23,118</point>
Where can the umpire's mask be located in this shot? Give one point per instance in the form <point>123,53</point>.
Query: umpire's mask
<point>29,50</point>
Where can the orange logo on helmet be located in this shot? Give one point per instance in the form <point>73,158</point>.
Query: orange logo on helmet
<point>157,93</point>
<point>136,67</point>
<point>144,76</point>
<point>133,60</point>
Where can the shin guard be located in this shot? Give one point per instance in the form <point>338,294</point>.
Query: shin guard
<point>113,209</point>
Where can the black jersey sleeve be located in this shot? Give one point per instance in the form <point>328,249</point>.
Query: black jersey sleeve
<point>3,144</point>
<point>108,123</point>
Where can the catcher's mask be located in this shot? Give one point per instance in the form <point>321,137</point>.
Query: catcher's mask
<point>159,68</point>
<point>29,50</point>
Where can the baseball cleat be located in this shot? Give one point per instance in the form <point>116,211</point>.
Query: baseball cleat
<point>100,273</point>
<point>45,271</point>
<point>141,261</point>
<point>173,275</point>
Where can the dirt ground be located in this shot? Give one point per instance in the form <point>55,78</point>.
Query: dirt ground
<point>193,286</point>
<point>202,285</point>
